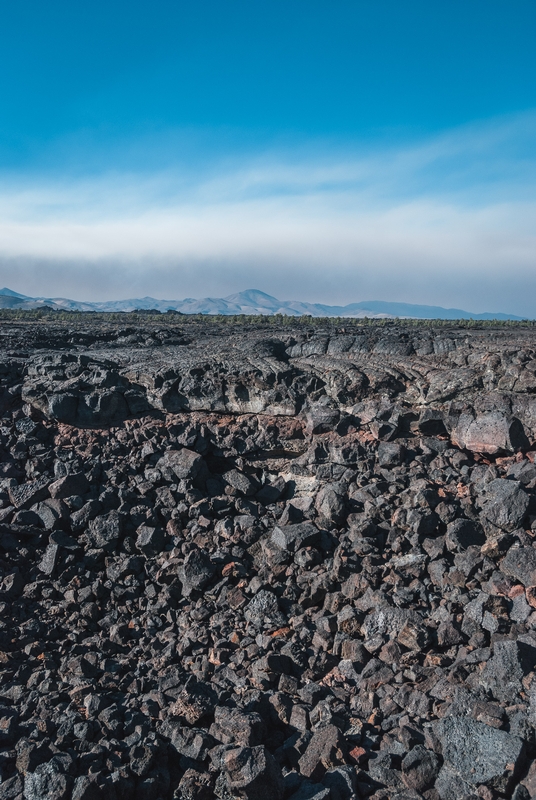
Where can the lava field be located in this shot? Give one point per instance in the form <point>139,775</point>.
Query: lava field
<point>266,562</point>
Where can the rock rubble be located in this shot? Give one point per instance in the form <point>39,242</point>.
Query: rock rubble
<point>286,568</point>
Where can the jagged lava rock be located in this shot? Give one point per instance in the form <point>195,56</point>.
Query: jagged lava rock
<point>291,563</point>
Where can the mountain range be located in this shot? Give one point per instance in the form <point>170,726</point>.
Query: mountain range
<point>251,301</point>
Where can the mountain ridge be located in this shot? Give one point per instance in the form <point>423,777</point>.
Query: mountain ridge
<point>250,301</point>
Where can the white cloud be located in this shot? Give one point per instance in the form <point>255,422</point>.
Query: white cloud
<point>448,221</point>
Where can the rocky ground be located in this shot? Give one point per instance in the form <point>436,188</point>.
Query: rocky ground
<point>267,563</point>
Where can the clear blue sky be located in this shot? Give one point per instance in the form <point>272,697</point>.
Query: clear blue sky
<point>89,87</point>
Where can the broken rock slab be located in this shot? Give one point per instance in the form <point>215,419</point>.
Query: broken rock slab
<point>492,433</point>
<point>293,537</point>
<point>252,773</point>
<point>326,749</point>
<point>505,670</point>
<point>182,463</point>
<point>520,563</point>
<point>505,505</point>
<point>478,753</point>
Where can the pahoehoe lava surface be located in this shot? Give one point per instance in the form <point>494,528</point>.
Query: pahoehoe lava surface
<point>265,562</point>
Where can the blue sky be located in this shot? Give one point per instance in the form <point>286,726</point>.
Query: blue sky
<point>321,151</point>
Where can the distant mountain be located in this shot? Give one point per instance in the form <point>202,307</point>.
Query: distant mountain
<point>252,301</point>
<point>9,293</point>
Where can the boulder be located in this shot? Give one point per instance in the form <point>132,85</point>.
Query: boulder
<point>520,563</point>
<point>263,609</point>
<point>478,753</point>
<point>47,783</point>
<point>231,725</point>
<point>505,670</point>
<point>505,505</point>
<point>390,454</point>
<point>183,463</point>
<point>491,433</point>
<point>420,768</point>
<point>252,773</point>
<point>463,533</point>
<point>326,749</point>
<point>27,494</point>
<point>196,571</point>
<point>104,531</point>
<point>294,537</point>
<point>69,485</point>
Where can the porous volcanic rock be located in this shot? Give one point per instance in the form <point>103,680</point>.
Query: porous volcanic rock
<point>266,560</point>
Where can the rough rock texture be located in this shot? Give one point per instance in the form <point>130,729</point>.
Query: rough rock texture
<point>285,563</point>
